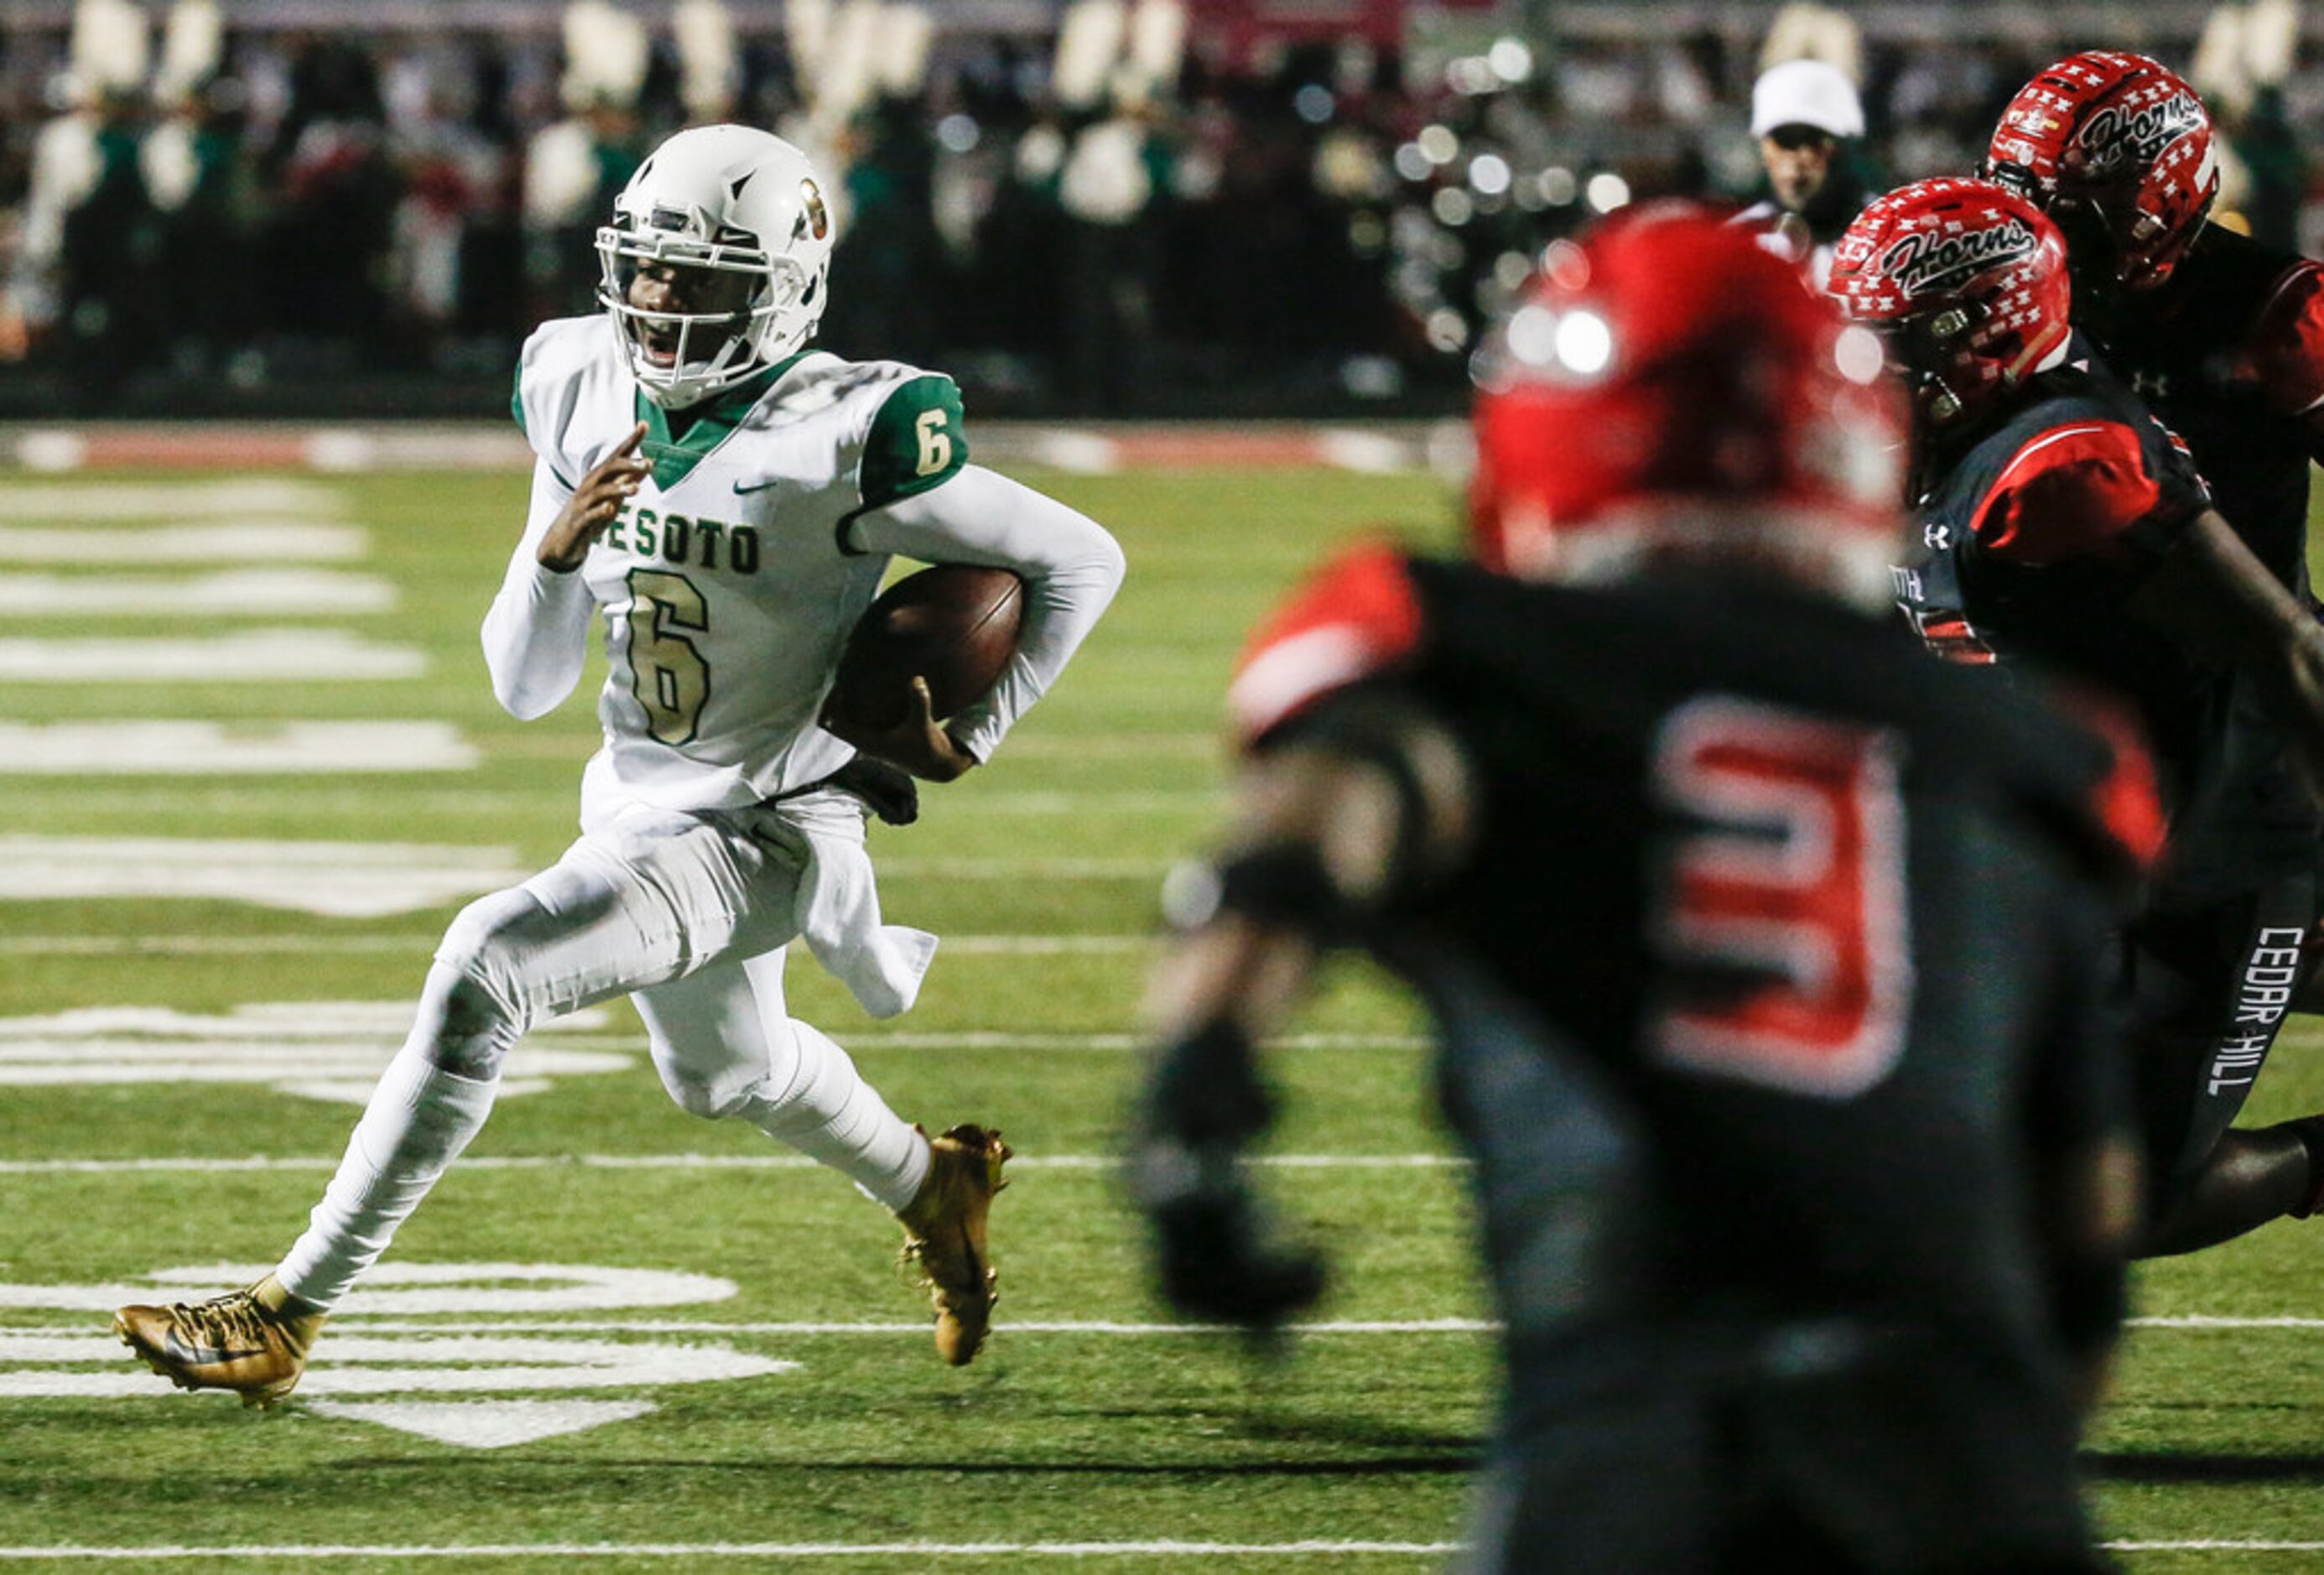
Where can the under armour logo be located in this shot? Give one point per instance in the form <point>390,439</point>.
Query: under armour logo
<point>2151,385</point>
<point>1940,536</point>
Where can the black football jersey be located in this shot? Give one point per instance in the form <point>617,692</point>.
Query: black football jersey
<point>1816,917</point>
<point>2229,355</point>
<point>2034,540</point>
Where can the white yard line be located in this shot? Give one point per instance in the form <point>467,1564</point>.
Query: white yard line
<point>58,867</point>
<point>250,656</point>
<point>161,500</point>
<point>193,749</point>
<point>333,946</point>
<point>1027,1326</point>
<point>228,541</point>
<point>1003,1039</point>
<point>1040,945</point>
<point>263,592</point>
<point>336,879</point>
<point>911,1551</point>
<point>1067,450</point>
<point>1136,801</point>
<point>1310,1548</point>
<point>466,800</point>
<point>357,1323</point>
<point>2211,1546</point>
<point>1203,745</point>
<point>190,1165</point>
<point>206,945</point>
<point>1027,869</point>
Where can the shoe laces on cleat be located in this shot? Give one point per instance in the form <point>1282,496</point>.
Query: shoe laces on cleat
<point>229,1322</point>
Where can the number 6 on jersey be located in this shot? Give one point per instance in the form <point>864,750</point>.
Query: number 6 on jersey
<point>668,673</point>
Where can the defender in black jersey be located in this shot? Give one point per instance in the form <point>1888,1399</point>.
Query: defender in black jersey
<point>1762,953</point>
<point>2062,524</point>
<point>2220,336</point>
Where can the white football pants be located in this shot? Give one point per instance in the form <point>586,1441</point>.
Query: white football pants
<point>687,913</point>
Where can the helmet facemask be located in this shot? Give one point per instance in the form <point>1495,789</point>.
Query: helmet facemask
<point>682,356</point>
<point>1928,350</point>
<point>2116,244</point>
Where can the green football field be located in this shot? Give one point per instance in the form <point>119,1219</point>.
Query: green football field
<point>251,767</point>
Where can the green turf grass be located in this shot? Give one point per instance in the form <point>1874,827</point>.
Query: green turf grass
<point>1052,1437</point>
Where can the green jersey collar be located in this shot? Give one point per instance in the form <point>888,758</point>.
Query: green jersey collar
<point>706,427</point>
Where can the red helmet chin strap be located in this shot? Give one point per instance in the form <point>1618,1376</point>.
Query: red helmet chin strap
<point>2037,349</point>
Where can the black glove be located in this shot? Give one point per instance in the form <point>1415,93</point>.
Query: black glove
<point>1218,1252</point>
<point>1216,1249</point>
<point>888,790</point>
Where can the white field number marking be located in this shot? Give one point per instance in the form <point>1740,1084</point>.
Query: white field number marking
<point>263,592</point>
<point>230,500</point>
<point>914,1555</point>
<point>327,1050</point>
<point>267,656</point>
<point>413,1289</point>
<point>43,1364</point>
<point>210,749</point>
<point>355,1364</point>
<point>339,880</point>
<point>243,541</point>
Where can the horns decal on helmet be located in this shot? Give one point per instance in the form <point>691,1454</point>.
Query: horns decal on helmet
<point>1926,264</point>
<point>2118,134</point>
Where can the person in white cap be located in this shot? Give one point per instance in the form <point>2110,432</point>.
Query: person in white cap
<point>1803,112</point>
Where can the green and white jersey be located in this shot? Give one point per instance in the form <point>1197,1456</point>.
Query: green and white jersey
<point>729,581</point>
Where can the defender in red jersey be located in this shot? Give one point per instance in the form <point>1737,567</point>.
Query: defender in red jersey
<point>1762,953</point>
<point>2118,150</point>
<point>2063,525</point>
<point>2222,336</point>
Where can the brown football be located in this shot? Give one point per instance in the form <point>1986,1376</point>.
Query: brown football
<point>954,625</point>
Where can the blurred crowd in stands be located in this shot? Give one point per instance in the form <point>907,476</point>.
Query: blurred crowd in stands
<point>1112,217</point>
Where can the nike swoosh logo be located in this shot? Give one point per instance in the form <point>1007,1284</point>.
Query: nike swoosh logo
<point>743,489</point>
<point>177,1349</point>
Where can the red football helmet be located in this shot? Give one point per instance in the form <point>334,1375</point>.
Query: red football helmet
<point>1667,384</point>
<point>1966,280</point>
<point>2117,149</point>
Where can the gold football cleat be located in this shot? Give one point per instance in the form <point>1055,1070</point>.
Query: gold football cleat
<point>254,1341</point>
<point>943,1233</point>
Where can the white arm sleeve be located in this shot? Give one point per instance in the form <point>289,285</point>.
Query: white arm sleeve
<point>1070,565</point>
<point>536,634</point>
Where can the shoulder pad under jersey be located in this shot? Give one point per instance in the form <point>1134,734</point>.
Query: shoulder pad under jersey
<point>1357,616</point>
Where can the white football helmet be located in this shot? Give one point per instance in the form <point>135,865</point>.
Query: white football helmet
<point>728,199</point>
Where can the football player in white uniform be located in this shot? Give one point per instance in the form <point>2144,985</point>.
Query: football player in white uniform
<point>728,499</point>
